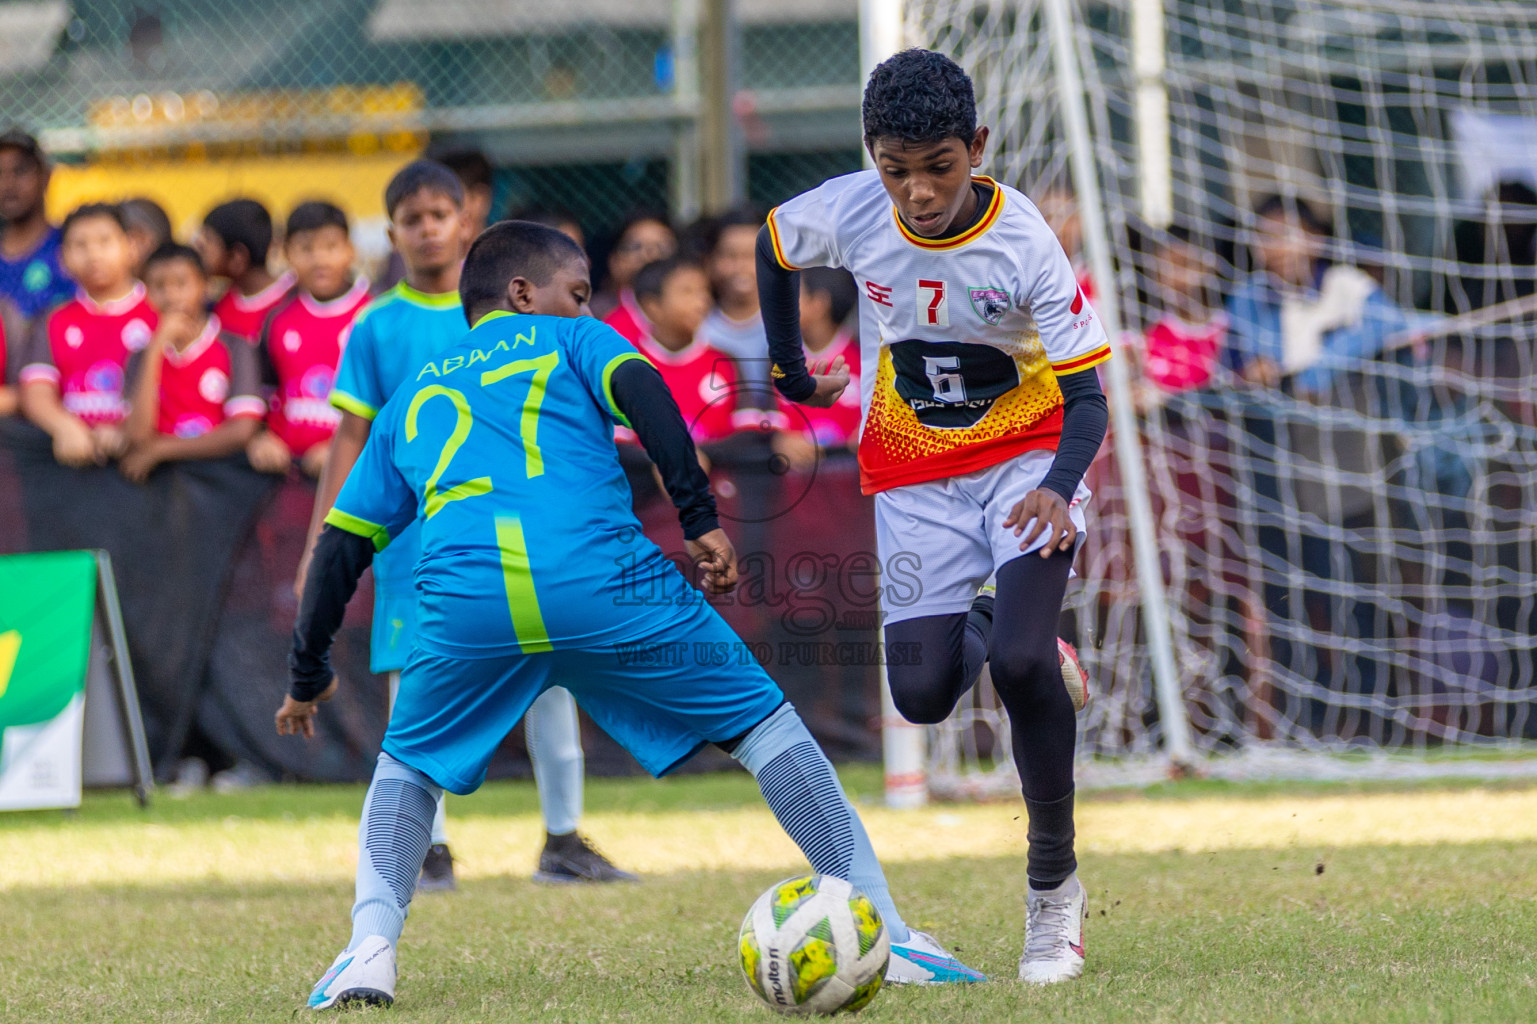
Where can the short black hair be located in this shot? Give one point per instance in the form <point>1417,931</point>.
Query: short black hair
<point>86,211</point>
<point>314,215</point>
<point>640,215</point>
<point>919,96</point>
<point>550,216</point>
<point>1285,206</point>
<point>243,222</point>
<point>148,215</point>
<point>509,249</point>
<point>171,251</point>
<point>837,285</point>
<point>422,176</point>
<point>24,143</point>
<point>653,277</point>
<point>470,165</point>
<point>709,231</point>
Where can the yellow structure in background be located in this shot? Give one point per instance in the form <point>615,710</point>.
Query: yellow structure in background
<point>281,147</point>
<point>189,188</point>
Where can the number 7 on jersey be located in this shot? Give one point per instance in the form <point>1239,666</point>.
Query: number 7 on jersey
<point>933,303</point>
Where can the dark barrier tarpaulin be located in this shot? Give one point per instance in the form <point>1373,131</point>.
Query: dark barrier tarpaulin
<point>206,555</point>
<point>171,542</point>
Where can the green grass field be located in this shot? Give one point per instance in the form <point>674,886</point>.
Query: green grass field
<point>1209,903</point>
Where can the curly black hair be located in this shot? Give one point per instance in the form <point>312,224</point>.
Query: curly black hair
<point>919,96</point>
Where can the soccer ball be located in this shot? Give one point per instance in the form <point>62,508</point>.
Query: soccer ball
<point>814,944</point>
<point>1073,676</point>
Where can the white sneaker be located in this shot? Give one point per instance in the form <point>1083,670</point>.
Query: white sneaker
<point>364,975</point>
<point>1054,934</point>
<point>921,960</point>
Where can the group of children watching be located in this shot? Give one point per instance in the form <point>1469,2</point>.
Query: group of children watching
<point>690,304</point>
<point>136,364</point>
<point>137,367</point>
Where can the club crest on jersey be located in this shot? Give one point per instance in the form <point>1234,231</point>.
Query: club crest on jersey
<point>991,304</point>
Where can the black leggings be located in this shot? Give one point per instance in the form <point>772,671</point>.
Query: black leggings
<point>1026,669</point>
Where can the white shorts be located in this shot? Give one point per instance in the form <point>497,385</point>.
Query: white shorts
<point>940,540</point>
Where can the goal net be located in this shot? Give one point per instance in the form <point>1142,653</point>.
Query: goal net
<point>1334,373</point>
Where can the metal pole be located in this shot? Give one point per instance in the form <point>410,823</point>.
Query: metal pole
<point>903,744</point>
<point>719,63</point>
<point>1128,445</point>
<point>1154,179</point>
<point>685,186</point>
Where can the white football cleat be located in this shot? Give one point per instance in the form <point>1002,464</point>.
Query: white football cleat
<point>1054,934</point>
<point>921,960</point>
<point>365,975</point>
<point>1073,676</point>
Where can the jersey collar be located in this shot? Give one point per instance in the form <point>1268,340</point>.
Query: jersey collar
<point>495,314</point>
<point>971,234</point>
<point>339,305</point>
<point>264,298</point>
<point>658,353</point>
<point>197,348</point>
<point>427,300</point>
<point>113,307</point>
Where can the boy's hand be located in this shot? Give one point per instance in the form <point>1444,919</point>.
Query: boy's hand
<point>831,377</point>
<point>1263,372</point>
<point>714,554</point>
<point>1050,514</point>
<point>314,460</point>
<point>140,461</point>
<point>268,454</point>
<point>297,717</point>
<point>110,442</point>
<point>798,450</point>
<point>75,446</point>
<point>176,328</point>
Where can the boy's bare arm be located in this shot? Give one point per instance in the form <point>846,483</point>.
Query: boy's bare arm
<point>144,395</point>
<point>346,445</point>
<point>73,443</point>
<point>227,438</point>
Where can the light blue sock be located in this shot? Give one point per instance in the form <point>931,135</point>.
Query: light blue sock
<point>392,843</point>
<point>803,791</point>
<point>555,748</point>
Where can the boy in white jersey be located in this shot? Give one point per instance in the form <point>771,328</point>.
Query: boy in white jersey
<point>982,411</point>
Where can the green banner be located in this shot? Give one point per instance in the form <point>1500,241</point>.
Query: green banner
<point>46,605</point>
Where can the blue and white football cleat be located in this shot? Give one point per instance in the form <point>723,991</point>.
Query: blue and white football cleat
<point>921,960</point>
<point>365,975</point>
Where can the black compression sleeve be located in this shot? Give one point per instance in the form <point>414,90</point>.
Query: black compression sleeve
<point>339,560</point>
<point>1085,416</point>
<point>641,394</point>
<point>779,298</point>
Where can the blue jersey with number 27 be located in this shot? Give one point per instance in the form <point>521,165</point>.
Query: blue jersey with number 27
<point>502,447</point>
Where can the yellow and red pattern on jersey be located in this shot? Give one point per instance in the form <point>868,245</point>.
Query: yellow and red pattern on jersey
<point>895,449</point>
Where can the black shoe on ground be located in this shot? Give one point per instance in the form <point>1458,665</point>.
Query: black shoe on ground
<point>571,858</point>
<point>437,870</point>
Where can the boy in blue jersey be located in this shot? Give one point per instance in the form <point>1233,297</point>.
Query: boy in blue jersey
<point>391,339</point>
<point>534,570</point>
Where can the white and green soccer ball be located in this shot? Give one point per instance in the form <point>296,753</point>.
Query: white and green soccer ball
<point>814,944</point>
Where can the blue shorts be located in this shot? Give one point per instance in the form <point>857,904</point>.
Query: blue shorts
<point>661,696</point>
<point>394,630</point>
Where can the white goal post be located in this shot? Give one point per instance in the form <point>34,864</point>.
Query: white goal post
<point>1339,201</point>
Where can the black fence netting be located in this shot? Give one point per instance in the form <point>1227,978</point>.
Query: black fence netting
<point>205,555</point>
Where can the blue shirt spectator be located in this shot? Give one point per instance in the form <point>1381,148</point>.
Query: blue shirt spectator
<point>1299,317</point>
<point>31,276</point>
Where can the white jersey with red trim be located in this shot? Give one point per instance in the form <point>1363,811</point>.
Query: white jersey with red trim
<point>963,337</point>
